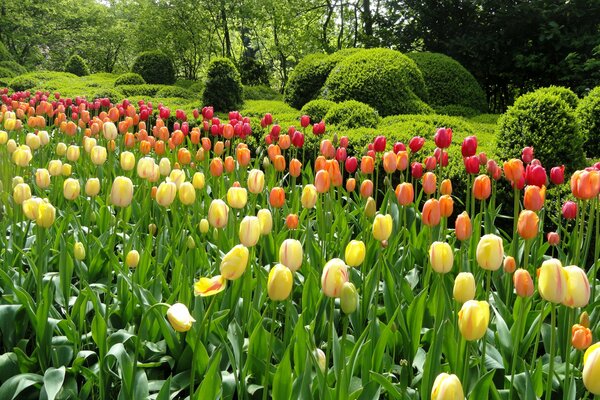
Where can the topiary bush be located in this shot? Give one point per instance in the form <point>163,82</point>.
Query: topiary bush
<point>352,114</point>
<point>564,93</point>
<point>77,65</point>
<point>113,94</point>
<point>175,91</point>
<point>223,88</point>
<point>15,67</point>
<point>317,109</point>
<point>449,84</point>
<point>457,110</point>
<point>546,122</point>
<point>261,92</point>
<point>253,72</point>
<point>130,78</point>
<point>309,76</point>
<point>155,67</point>
<point>384,79</point>
<point>588,116</point>
<point>140,90</point>
<point>22,82</point>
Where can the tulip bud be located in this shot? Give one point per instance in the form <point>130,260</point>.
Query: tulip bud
<point>290,254</point>
<point>569,210</point>
<point>382,227</point>
<point>509,264</point>
<point>187,193</point>
<point>46,214</point>
<point>581,337</point>
<point>552,281</point>
<point>446,187</point>
<point>527,225</point>
<point>203,226</point>
<point>21,192</point>
<point>98,155</point>
<point>482,187</point>
<point>355,253</point>
<point>291,221</point>
<point>55,167</point>
<point>462,226</point>
<point>405,193</point>
<point>557,175</point>
<point>335,274</point>
<point>431,213</point>
<point>370,208</point>
<point>249,231</point>
<point>473,319</point>
<point>321,360</point>
<point>578,287</point>
<point>447,387</point>
<point>234,263</point>
<point>127,161</point>
<point>266,221</point>
<point>218,213</point>
<point>79,251</point>
<point>441,257</point>
<point>349,298</point>
<point>464,287</point>
<point>523,283</point>
<point>71,188</point>
<point>179,316</point>
<point>309,196</point>
<point>132,259</point>
<point>279,283</point>
<point>553,238</point>
<point>190,243</point>
<point>584,319</point>
<point>121,192</point>
<point>490,252</point>
<point>73,153</point>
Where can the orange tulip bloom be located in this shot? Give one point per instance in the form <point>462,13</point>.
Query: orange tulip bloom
<point>585,185</point>
<point>581,337</point>
<point>216,166</point>
<point>219,148</point>
<point>228,131</point>
<point>291,221</point>
<point>320,163</point>
<point>145,147</point>
<point>243,156</point>
<point>277,197</point>
<point>527,225</point>
<point>446,187</point>
<point>429,182</point>
<point>367,165</point>
<point>322,181</point>
<point>462,226</point>
<point>333,167</point>
<point>523,283</point>
<point>159,147</point>
<point>351,185</point>
<point>284,142</point>
<point>163,133</point>
<point>405,193</point>
<point>390,162</point>
<point>366,188</point>
<point>206,145</point>
<point>482,187</point>
<point>184,156</point>
<point>402,160</point>
<point>534,197</point>
<point>509,264</point>
<point>431,212</point>
<point>279,163</point>
<point>129,140</point>
<point>195,136</point>
<point>446,206</point>
<point>177,137</point>
<point>229,164</point>
<point>295,168</point>
<point>514,170</point>
<point>273,150</point>
<point>327,148</point>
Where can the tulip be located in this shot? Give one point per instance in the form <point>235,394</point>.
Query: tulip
<point>350,185</point>
<point>249,231</point>
<point>430,163</point>
<point>322,181</point>
<point>177,176</point>
<point>585,185</point>
<point>443,138</point>
<point>431,213</point>
<point>416,143</point>
<point>382,227</point>
<point>321,360</point>
<point>234,263</point>
<point>31,207</point>
<point>335,274</point>
<point>256,181</point>
<point>553,238</point>
<point>266,221</point>
<point>370,208</point>
<point>98,155</point>
<point>535,175</point>
<point>490,252</point>
<point>309,196</point>
<point>295,168</point>
<point>209,286</point>
<point>22,156</point>
<point>509,264</point>
<point>416,170</point>
<point>441,257</point>
<point>429,183</point>
<point>109,130</point>
<point>237,197</point>
<point>447,387</point>
<point>401,160</point>
<point>523,283</point>
<point>71,188</point>
<point>366,189</point>
<point>405,193</point>
<point>390,162</point>
<point>379,143</point>
<point>165,195</point>
<point>446,206</point>
<point>464,287</point>
<point>527,225</point>
<point>279,283</point>
<point>218,213</point>
<point>581,337</point>
<point>482,187</point>
<point>473,319</point>
<point>355,253</point>
<point>462,226</point>
<point>21,192</point>
<point>578,287</point>
<point>55,167</point>
<point>277,197</point>
<point>514,170</point>
<point>187,193</point>
<point>145,167</point>
<point>79,251</point>
<point>198,181</point>
<point>446,187</point>
<point>348,298</point>
<point>164,166</point>
<point>469,146</point>
<point>527,155</point>
<point>73,153</point>
<point>132,259</point>
<point>569,210</point>
<point>290,254</point>
<point>557,175</point>
<point>46,214</point>
<point>591,369</point>
<point>367,165</point>
<point>534,197</point>
<point>127,161</point>
<point>180,318</point>
<point>552,281</point>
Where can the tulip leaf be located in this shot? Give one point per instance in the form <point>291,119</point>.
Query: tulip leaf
<point>282,382</point>
<point>211,384</point>
<point>502,335</point>
<point>524,386</point>
<point>11,389</point>
<point>53,382</point>
<point>482,389</point>
<point>391,390</point>
<point>165,390</point>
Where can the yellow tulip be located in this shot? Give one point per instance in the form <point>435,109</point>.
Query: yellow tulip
<point>490,252</point>
<point>71,188</point>
<point>46,214</point>
<point>127,161</point>
<point>121,192</point>
<point>447,387</point>
<point>578,287</point>
<point>33,141</point>
<point>79,251</point>
<point>145,167</point>
<point>55,167</point>
<point>187,193</point>
<point>266,221</point>
<point>234,263</point>
<point>98,155</point>
<point>279,283</point>
<point>208,286</point>
<point>92,187</point>
<point>203,225</point>
<point>61,149</point>
<point>382,227</point>
<point>335,274</point>
<point>66,169</point>
<point>11,146</point>
<point>44,137</point>
<point>132,259</point>
<point>177,176</point>
<point>291,254</point>
<point>42,178</point>
<point>464,287</point>
<point>22,156</point>
<point>591,369</point>
<point>198,181</point>
<point>165,194</point>
<point>17,180</point>
<point>249,231</point>
<point>348,298</point>
<point>218,213</point>
<point>309,196</point>
<point>31,207</point>
<point>73,153</point>
<point>89,143</point>
<point>237,197</point>
<point>473,319</point>
<point>256,181</point>
<point>370,207</point>
<point>164,166</point>
<point>21,192</point>
<point>179,316</point>
<point>441,257</point>
<point>110,130</point>
<point>355,253</point>
<point>552,281</point>
<point>3,137</point>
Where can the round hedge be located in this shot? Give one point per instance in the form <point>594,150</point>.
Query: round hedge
<point>564,93</point>
<point>546,122</point>
<point>155,67</point>
<point>317,109</point>
<point>448,82</point>
<point>352,114</point>
<point>130,78</point>
<point>223,89</point>
<point>384,79</point>
<point>253,72</point>
<point>309,76</point>
<point>588,115</point>
<point>77,65</point>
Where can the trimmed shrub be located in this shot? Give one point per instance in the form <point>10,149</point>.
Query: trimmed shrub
<point>253,72</point>
<point>223,88</point>
<point>384,79</point>
<point>261,92</point>
<point>77,65</point>
<point>113,94</point>
<point>588,115</point>
<point>449,84</point>
<point>197,88</point>
<point>130,78</point>
<point>564,93</point>
<point>546,122</point>
<point>22,82</point>
<point>317,109</point>
<point>155,67</point>
<point>6,73</point>
<point>175,91</point>
<point>4,53</point>
<point>309,76</point>
<point>140,90</point>
<point>280,111</point>
<point>352,114</point>
<point>15,67</point>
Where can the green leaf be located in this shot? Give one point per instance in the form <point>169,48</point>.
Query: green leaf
<point>482,387</point>
<point>53,381</point>
<point>211,384</point>
<point>17,384</point>
<point>391,390</point>
<point>282,382</point>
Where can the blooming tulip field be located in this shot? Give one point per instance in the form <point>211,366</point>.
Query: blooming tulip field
<point>151,254</point>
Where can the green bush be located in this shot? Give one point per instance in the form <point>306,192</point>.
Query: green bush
<point>309,76</point>
<point>22,82</point>
<point>279,110</point>
<point>77,65</point>
<point>197,88</point>
<point>253,72</point>
<point>4,53</point>
<point>450,85</point>
<point>155,67</point>
<point>564,93</point>
<point>261,92</point>
<point>352,114</point>
<point>546,122</point>
<point>175,91</point>
<point>113,94</point>
<point>588,115</point>
<point>130,78</point>
<point>15,67</point>
<point>384,79</point>
<point>223,87</point>
<point>140,90</point>
<point>6,73</point>
<point>317,109</point>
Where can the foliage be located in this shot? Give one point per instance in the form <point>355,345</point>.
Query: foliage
<point>223,87</point>
<point>7,73</point>
<point>588,115</point>
<point>385,79</point>
<point>280,110</point>
<point>457,110</point>
<point>448,83</point>
<point>155,67</point>
<point>546,122</point>
<point>176,91</point>
<point>317,109</point>
<point>22,82</point>
<point>4,53</point>
<point>15,67</point>
<point>352,114</point>
<point>77,65</point>
<point>261,92</point>
<point>130,78</point>
<point>253,72</point>
<point>115,95</point>
<point>564,93</point>
<point>140,90</point>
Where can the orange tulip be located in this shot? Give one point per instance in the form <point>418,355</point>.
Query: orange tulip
<point>216,167</point>
<point>429,183</point>
<point>229,164</point>
<point>159,147</point>
<point>228,131</point>
<point>195,136</point>
<point>534,197</point>
<point>509,264</point>
<point>284,142</point>
<point>585,185</point>
<point>446,187</point>
<point>322,181</point>
<point>482,187</point>
<point>367,165</point>
<point>206,145</point>
<point>431,212</point>
<point>145,147</point>
<point>523,283</point>
<point>462,226</point>
<point>273,150</point>
<point>291,221</point>
<point>279,163</point>
<point>366,188</point>
<point>527,225</point>
<point>219,148</point>
<point>184,156</point>
<point>333,167</point>
<point>243,156</point>
<point>446,206</point>
<point>351,185</point>
<point>402,160</point>
<point>277,197</point>
<point>514,170</point>
<point>327,148</point>
<point>295,168</point>
<point>320,163</point>
<point>390,162</point>
<point>581,337</point>
<point>405,193</point>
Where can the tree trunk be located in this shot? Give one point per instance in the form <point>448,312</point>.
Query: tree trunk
<point>367,20</point>
<point>341,34</point>
<point>326,46</point>
<point>225,30</point>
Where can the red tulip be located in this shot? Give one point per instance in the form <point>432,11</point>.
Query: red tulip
<point>196,113</point>
<point>482,158</point>
<point>268,119</point>
<point>527,155</point>
<point>535,175</point>
<point>469,146</point>
<point>569,210</point>
<point>472,165</point>
<point>319,128</point>
<point>275,130</point>
<point>444,160</point>
<point>298,139</point>
<point>164,113</point>
<point>430,163</point>
<point>207,112</point>
<point>344,141</point>
<point>416,143</point>
<point>304,121</point>
<point>351,164</point>
<point>557,175</point>
<point>443,138</point>
<point>416,170</point>
<point>341,154</point>
<point>399,146</point>
<point>379,144</point>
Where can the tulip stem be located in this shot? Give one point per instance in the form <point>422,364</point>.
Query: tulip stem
<point>526,254</point>
<point>487,298</point>
<point>518,337</point>
<point>580,234</point>
<point>270,350</point>
<point>552,351</point>
<point>330,328</point>
<point>537,339</point>
<point>338,382</point>
<point>515,242</point>
<point>570,313</point>
<point>197,344</point>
